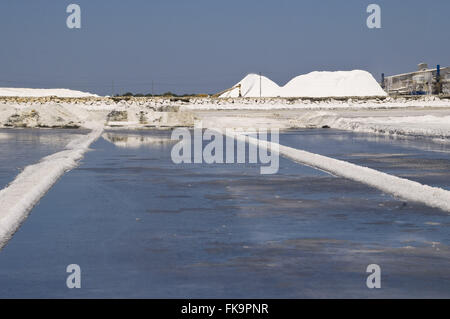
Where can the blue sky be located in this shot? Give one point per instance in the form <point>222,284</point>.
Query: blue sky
<point>204,46</point>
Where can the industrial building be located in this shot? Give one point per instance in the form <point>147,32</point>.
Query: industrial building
<point>424,81</point>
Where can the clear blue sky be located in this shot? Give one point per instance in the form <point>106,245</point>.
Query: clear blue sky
<point>208,45</point>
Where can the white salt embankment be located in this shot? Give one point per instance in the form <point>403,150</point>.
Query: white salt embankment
<point>433,126</point>
<point>20,196</point>
<point>396,186</point>
<point>25,92</point>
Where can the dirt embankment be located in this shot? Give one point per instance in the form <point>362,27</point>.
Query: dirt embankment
<point>196,100</point>
<point>83,112</point>
<point>163,112</point>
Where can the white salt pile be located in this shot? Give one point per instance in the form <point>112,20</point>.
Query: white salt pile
<point>314,84</point>
<point>253,85</point>
<point>327,84</point>
<point>22,92</point>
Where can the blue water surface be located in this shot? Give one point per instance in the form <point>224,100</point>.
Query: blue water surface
<point>140,226</point>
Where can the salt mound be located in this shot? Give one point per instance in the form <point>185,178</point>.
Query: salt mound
<point>314,84</point>
<point>20,92</point>
<point>254,85</point>
<point>333,84</point>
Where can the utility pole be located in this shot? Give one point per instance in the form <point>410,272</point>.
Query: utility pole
<point>438,80</point>
<point>260,84</point>
<point>153,86</point>
<point>112,88</point>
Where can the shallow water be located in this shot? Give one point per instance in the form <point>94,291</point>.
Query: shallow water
<point>141,226</point>
<point>420,160</point>
<point>23,147</point>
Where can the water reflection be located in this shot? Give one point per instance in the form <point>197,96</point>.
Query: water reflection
<point>34,137</point>
<point>417,143</point>
<point>134,141</point>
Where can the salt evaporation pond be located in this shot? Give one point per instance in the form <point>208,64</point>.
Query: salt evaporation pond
<point>141,226</point>
<point>23,147</point>
<point>416,159</point>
